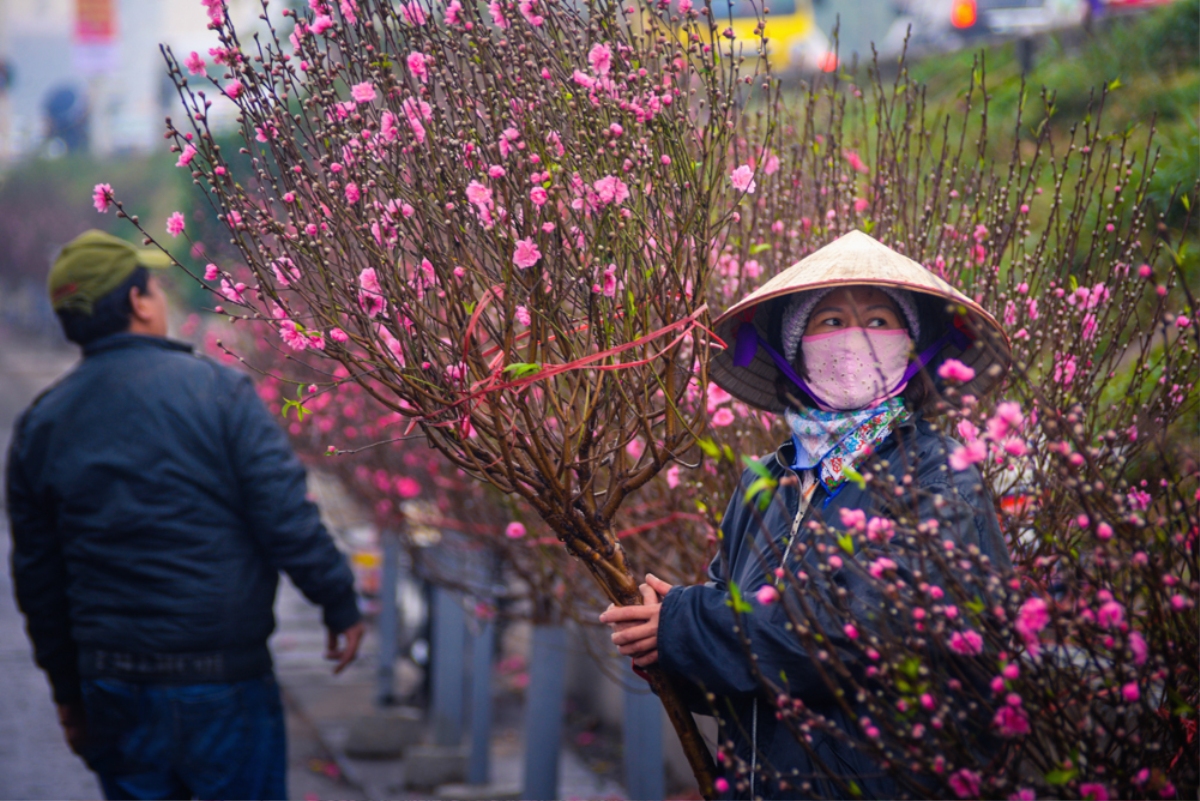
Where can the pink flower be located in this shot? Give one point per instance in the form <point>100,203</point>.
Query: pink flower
<point>210,272</point>
<point>363,92</point>
<point>417,66</point>
<point>1010,412</point>
<point>514,531</point>
<point>673,476</point>
<point>954,370</point>
<point>880,566</point>
<point>766,595</point>
<point>1011,721</point>
<point>927,701</point>
<point>855,161</point>
<point>321,23</point>
<point>526,254</point>
<point>497,12</point>
<point>412,13</point>
<point>851,631</point>
<point>1110,614</point>
<point>479,195</point>
<point>611,189</point>
<point>349,9</point>
<point>195,65</point>
<point>854,519</point>
<point>175,224</point>
<point>1094,791</point>
<point>723,417</point>
<point>233,89</point>
<point>452,10</point>
<point>1182,321</point>
<point>969,454</point>
<point>1032,617</point>
<point>600,57</point>
<point>967,430</point>
<point>743,179</point>
<point>285,271</point>
<point>965,783</point>
<point>102,197</point>
<point>406,487</point>
<point>771,164</point>
<point>352,193</point>
<point>538,196</point>
<point>1137,644</point>
<point>292,336</point>
<point>370,295</point>
<point>966,642</point>
<point>185,158</point>
<point>721,785</point>
<point>216,10</point>
<point>880,529</point>
<point>338,335</point>
<point>522,316</point>
<point>1130,692</point>
<point>610,281</point>
<point>496,171</point>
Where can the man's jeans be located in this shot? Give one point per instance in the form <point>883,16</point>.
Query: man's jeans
<point>184,741</point>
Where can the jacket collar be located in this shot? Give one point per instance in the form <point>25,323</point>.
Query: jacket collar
<point>127,340</point>
<point>785,454</point>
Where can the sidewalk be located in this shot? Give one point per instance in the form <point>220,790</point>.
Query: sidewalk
<point>321,708</point>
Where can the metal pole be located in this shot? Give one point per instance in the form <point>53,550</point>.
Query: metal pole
<point>644,776</point>
<point>544,712</point>
<point>481,703</point>
<point>385,675</point>
<point>449,642</point>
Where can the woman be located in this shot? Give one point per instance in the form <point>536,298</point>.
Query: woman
<point>846,344</point>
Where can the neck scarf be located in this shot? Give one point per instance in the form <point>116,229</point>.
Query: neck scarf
<point>834,441</point>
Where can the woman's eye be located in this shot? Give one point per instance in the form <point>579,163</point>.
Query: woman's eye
<point>877,322</point>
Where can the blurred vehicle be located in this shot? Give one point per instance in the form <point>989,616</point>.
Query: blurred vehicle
<point>794,43</point>
<point>941,25</point>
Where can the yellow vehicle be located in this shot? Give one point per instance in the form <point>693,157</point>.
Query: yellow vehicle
<point>794,43</point>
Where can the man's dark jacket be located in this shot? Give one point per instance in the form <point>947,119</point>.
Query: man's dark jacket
<point>153,501</point>
<point>699,637</point>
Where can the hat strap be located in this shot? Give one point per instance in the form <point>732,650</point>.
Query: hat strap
<point>748,342</point>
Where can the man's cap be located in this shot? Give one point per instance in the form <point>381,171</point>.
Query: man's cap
<point>854,258</point>
<point>93,264</point>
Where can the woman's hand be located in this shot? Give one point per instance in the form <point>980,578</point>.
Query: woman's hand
<point>635,628</point>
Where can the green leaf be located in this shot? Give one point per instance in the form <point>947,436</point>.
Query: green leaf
<point>759,486</point>
<point>520,370</point>
<point>728,451</point>
<point>758,467</point>
<point>911,667</point>
<point>1073,282</point>
<point>1060,777</point>
<point>855,476</point>
<point>847,543</point>
<point>736,601</point>
<point>975,606</point>
<point>710,448</point>
<point>759,248</point>
<point>298,405</point>
<point>1187,204</point>
<point>854,790</point>
<point>1115,84</point>
<point>868,226</point>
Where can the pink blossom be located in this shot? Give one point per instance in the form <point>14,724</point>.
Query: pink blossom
<point>766,595</point>
<point>195,65</point>
<point>210,272</point>
<point>851,631</point>
<point>232,292</point>
<point>338,335</point>
<point>349,7</point>
<point>1137,644</point>
<point>352,193</point>
<point>185,158</point>
<point>363,92</point>
<point>966,642</point>
<point>880,566</point>
<point>452,11</point>
<point>967,430</point>
<point>673,476</point>
<point>954,370</point>
<point>216,10</point>
<point>292,336</point>
<point>514,530</point>
<point>610,281</point>
<point>855,161</point>
<point>102,197</point>
<point>175,224</point>
<point>233,89</point>
<point>1130,692</point>
<point>497,12</point>
<point>417,66</point>
<point>583,79</point>
<point>723,417</point>
<point>1182,321</point>
<point>927,701</point>
<point>1064,369</point>
<point>967,455</point>
<point>538,196</point>
<point>965,783</point>
<point>527,253</point>
<point>521,315</point>
<point>880,529</point>
<point>406,487</point>
<point>412,13</point>
<point>611,189</point>
<point>854,519</point>
<point>479,195</point>
<point>1011,721</point>
<point>1093,791</point>
<point>387,126</point>
<point>1032,617</point>
<point>285,271</point>
<point>743,179</point>
<point>721,784</point>
<point>321,23</point>
<point>600,57</point>
<point>370,295</point>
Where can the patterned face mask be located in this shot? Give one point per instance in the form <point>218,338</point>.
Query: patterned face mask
<point>856,368</point>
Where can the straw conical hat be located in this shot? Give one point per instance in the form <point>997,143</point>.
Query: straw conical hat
<point>855,258</point>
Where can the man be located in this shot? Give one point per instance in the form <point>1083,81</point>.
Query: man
<point>153,501</point>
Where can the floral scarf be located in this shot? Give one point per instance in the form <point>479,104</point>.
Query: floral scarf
<point>835,441</point>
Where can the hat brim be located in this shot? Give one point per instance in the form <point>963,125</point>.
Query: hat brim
<point>854,259</point>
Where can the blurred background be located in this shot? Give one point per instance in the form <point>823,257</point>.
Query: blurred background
<point>83,95</point>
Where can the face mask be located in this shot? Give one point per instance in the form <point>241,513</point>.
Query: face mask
<point>856,368</point>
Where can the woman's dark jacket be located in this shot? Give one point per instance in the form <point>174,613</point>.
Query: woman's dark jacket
<point>698,638</point>
<point>153,502</point>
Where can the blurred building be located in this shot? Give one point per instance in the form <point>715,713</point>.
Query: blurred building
<point>88,74</point>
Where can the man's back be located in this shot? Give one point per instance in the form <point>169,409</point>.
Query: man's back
<point>172,499</point>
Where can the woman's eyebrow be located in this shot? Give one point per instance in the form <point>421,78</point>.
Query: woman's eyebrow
<point>887,306</point>
<point>824,309</point>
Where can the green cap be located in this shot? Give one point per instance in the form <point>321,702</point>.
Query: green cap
<point>93,264</point>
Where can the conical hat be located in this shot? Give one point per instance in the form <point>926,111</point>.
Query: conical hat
<point>855,258</point>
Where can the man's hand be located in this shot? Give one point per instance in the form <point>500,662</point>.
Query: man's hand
<point>342,646</point>
<point>74,722</point>
<point>635,628</point>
